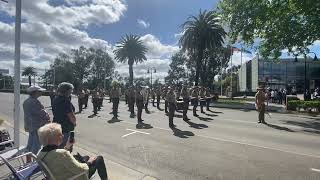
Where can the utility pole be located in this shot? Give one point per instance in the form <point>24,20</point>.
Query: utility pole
<point>17,74</point>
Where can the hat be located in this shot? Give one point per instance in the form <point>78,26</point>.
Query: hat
<point>34,88</point>
<point>260,88</point>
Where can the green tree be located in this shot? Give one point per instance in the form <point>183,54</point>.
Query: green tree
<point>130,49</point>
<point>201,33</point>
<point>278,25</point>
<point>102,67</point>
<point>177,69</point>
<point>29,71</point>
<point>82,61</point>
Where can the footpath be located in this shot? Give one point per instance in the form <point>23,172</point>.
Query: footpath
<point>115,170</point>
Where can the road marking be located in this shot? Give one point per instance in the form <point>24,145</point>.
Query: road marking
<point>239,142</point>
<point>316,170</point>
<point>133,132</point>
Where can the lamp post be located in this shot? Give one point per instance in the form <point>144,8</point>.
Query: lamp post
<point>150,71</point>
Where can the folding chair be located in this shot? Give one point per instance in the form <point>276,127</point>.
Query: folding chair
<point>25,170</point>
<point>49,174</point>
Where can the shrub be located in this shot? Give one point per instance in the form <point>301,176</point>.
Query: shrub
<point>299,104</point>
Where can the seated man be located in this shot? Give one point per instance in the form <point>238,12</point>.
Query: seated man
<point>60,161</point>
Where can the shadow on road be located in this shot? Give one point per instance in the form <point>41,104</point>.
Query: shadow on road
<point>196,126</point>
<point>142,125</point>
<point>279,127</point>
<point>211,115</point>
<point>113,120</point>
<point>92,116</point>
<point>181,134</point>
<point>245,110</point>
<point>178,116</point>
<point>205,119</point>
<point>315,125</point>
<point>215,111</point>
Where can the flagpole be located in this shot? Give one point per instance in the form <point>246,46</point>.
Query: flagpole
<point>231,70</point>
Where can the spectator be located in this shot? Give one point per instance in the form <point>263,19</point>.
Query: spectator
<point>272,96</point>
<point>35,117</point>
<point>63,110</point>
<point>60,161</point>
<point>307,95</point>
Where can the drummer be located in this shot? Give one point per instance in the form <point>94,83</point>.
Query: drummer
<point>202,95</point>
<point>208,98</point>
<point>194,100</point>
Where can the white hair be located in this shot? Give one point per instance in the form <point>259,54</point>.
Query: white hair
<point>49,132</point>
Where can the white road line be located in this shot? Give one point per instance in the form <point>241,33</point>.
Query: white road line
<point>138,131</point>
<point>128,134</point>
<point>316,170</point>
<point>242,143</point>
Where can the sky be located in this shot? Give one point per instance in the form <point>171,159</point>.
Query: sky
<point>54,26</point>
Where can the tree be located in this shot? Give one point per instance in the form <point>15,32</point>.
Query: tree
<point>281,24</point>
<point>102,67</point>
<point>202,33</point>
<point>29,71</point>
<point>177,69</point>
<point>82,59</point>
<point>130,49</point>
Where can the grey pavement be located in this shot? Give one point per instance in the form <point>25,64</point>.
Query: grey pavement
<point>222,144</point>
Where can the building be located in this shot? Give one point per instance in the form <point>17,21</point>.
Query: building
<point>285,73</point>
<point>4,71</point>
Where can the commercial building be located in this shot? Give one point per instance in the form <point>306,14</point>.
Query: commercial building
<point>285,73</point>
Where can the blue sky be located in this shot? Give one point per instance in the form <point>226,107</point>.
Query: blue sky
<point>53,26</point>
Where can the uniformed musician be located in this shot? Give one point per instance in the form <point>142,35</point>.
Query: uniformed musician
<point>172,102</point>
<point>186,98</point>
<point>115,94</point>
<point>202,95</point>
<point>260,106</point>
<point>195,100</point>
<point>139,103</point>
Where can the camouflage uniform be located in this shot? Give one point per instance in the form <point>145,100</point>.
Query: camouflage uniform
<point>115,94</point>
<point>195,100</point>
<point>139,103</point>
<point>260,106</point>
<point>171,99</point>
<point>202,95</point>
<point>186,98</point>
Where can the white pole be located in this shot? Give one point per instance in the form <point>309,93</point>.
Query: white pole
<point>231,71</point>
<point>221,78</point>
<point>16,109</point>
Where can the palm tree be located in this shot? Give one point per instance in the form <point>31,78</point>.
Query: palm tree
<point>201,33</point>
<point>29,71</point>
<point>130,49</point>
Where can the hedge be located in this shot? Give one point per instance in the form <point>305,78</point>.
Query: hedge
<point>295,105</point>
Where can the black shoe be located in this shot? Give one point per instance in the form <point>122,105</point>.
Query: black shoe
<point>172,125</point>
<point>259,122</point>
<point>131,116</point>
<point>208,109</point>
<point>196,115</point>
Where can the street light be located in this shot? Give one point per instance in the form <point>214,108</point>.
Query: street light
<point>150,71</point>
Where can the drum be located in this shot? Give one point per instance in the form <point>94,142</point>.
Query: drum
<point>194,101</point>
<point>202,101</point>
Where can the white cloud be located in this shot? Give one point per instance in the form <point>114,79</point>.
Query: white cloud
<point>156,49</point>
<point>143,23</point>
<point>236,58</point>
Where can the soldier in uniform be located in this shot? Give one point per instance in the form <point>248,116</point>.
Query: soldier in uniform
<point>131,100</point>
<point>81,99</point>
<point>186,98</point>
<point>95,100</point>
<point>146,100</point>
<point>260,106</point>
<point>172,102</point>
<point>115,94</point>
<point>158,93</point>
<point>153,96</point>
<point>86,98</point>
<point>164,94</point>
<point>195,100</point>
<point>208,98</point>
<point>202,95</point>
<point>139,103</point>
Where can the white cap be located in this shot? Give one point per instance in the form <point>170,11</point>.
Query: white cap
<point>34,88</point>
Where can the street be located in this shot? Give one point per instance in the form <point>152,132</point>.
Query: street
<point>221,144</point>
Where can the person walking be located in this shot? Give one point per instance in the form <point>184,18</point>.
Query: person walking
<point>202,95</point>
<point>139,103</point>
<point>164,94</point>
<point>81,99</point>
<point>208,98</point>
<point>153,96</point>
<point>172,103</point>
<point>186,98</point>
<point>35,116</point>
<point>195,100</point>
<point>146,99</point>
<point>86,98</point>
<point>259,103</point>
<point>63,110</point>
<point>158,93</point>
<point>95,101</point>
<point>115,94</point>
<point>131,100</point>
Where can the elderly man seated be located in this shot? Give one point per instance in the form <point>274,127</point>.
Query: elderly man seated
<point>60,161</point>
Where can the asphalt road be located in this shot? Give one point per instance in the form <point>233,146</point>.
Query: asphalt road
<point>222,144</point>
